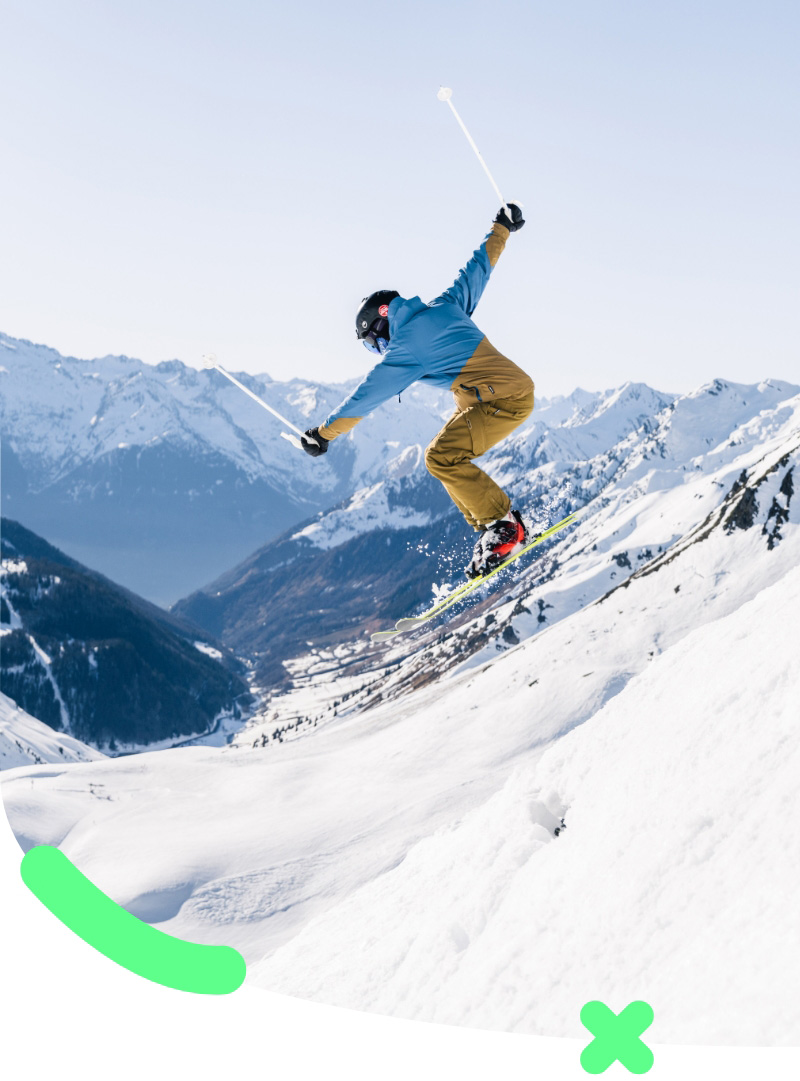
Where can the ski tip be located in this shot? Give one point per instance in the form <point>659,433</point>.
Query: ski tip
<point>401,625</point>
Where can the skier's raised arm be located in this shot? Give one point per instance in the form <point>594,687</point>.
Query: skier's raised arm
<point>439,344</point>
<point>468,287</point>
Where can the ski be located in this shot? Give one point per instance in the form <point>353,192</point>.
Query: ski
<point>464,590</point>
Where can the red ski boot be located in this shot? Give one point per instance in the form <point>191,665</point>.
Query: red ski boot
<point>497,542</point>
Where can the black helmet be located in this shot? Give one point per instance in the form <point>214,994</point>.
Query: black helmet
<point>370,310</point>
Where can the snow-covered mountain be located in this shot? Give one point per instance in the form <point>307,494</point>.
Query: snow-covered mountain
<point>309,599</point>
<point>25,741</point>
<point>100,664</point>
<point>585,787</point>
<point>163,477</point>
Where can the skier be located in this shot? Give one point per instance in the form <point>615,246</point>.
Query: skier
<point>438,343</point>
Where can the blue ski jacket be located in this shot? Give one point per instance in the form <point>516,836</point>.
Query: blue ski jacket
<point>438,343</point>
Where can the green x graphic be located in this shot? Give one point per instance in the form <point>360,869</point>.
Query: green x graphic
<point>616,1036</point>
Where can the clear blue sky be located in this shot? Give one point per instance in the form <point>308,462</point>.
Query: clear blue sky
<point>179,178</point>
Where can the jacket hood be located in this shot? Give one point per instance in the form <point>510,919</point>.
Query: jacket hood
<point>401,311</point>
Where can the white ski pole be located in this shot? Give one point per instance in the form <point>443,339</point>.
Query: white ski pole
<point>446,94</point>
<point>210,361</point>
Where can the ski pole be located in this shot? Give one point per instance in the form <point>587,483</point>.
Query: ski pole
<point>446,94</point>
<point>210,361</point>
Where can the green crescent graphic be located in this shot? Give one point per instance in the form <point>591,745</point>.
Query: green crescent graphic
<point>94,917</point>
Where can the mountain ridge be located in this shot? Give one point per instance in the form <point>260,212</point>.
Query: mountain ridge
<point>97,663</point>
<point>308,594</point>
<point>163,476</point>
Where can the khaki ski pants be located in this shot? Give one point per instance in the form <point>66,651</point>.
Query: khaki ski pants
<point>468,434</point>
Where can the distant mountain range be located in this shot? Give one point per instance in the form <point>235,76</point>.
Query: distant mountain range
<point>175,478</point>
<point>94,662</point>
<point>163,477</point>
<point>306,601</point>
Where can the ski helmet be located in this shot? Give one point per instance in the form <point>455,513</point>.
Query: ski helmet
<point>375,306</point>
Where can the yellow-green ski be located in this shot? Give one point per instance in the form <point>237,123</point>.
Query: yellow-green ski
<point>409,622</point>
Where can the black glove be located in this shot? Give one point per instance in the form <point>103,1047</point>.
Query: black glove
<point>516,215</point>
<point>313,443</point>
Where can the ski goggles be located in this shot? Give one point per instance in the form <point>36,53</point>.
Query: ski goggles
<point>376,339</point>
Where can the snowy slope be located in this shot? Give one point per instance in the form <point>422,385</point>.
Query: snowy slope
<point>399,853</point>
<point>25,741</point>
<point>673,880</point>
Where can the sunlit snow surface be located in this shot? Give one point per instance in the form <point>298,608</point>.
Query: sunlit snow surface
<point>672,881</point>
<point>403,858</point>
<point>26,741</point>
<point>367,509</point>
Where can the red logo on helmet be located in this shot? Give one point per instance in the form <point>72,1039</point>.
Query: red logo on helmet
<point>383,310</point>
